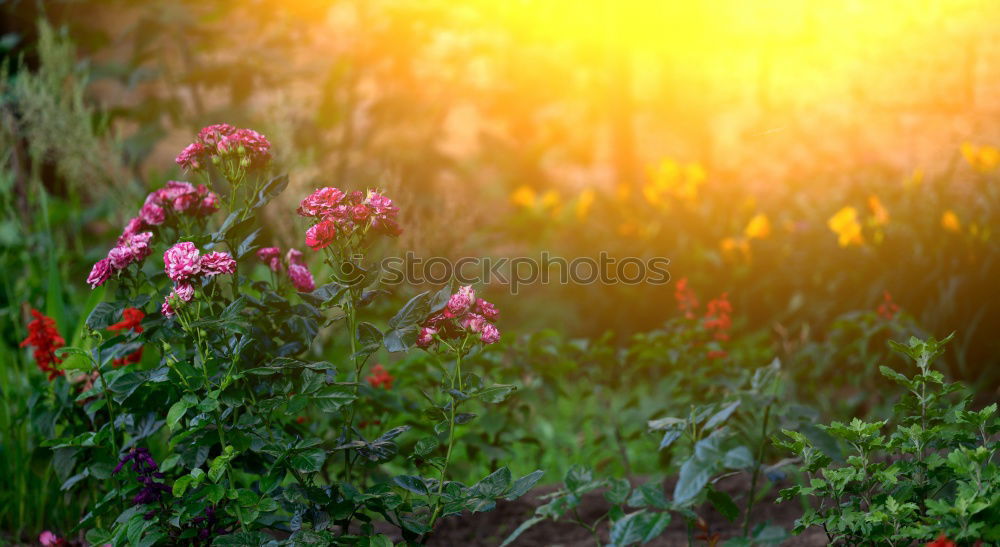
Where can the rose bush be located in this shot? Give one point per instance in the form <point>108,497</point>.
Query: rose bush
<point>204,416</point>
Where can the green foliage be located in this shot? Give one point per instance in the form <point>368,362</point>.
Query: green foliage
<point>928,471</point>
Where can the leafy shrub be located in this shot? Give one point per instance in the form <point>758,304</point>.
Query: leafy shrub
<point>930,473</point>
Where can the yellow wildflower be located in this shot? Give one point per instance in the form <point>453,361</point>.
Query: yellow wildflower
<point>950,222</point>
<point>735,249</point>
<point>549,199</point>
<point>759,227</point>
<point>524,196</point>
<point>982,158</point>
<point>845,224</point>
<point>880,215</point>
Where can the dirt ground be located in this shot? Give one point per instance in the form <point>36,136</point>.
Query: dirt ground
<point>491,528</point>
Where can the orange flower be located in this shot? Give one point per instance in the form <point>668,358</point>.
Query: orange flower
<point>880,215</point>
<point>717,317</point>
<point>950,222</point>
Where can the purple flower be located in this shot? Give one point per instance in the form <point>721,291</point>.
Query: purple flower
<point>147,472</point>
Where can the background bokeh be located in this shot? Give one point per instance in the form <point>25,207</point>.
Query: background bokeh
<point>507,128</point>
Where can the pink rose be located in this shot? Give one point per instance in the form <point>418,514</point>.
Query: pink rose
<point>184,291</point>
<point>182,261</point>
<point>321,235</point>
<point>152,214</point>
<point>100,273</point>
<point>486,309</point>
<point>217,262</point>
<point>212,134</point>
<point>321,202</point>
<point>460,302</point>
<point>301,277</point>
<point>294,256</point>
<point>426,337</point>
<point>490,334</point>
<point>472,322</point>
<point>120,257</point>
<point>192,157</point>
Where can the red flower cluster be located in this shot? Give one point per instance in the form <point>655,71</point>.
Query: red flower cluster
<point>941,541</point>
<point>298,272</point>
<point>342,215</point>
<point>44,337</point>
<point>887,309</point>
<point>463,314</point>
<point>687,302</point>
<point>717,317</point>
<point>223,141</point>
<point>380,377</point>
<point>131,321</point>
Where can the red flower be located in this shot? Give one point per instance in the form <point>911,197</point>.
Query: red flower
<point>380,377</point>
<point>717,317</point>
<point>44,336</point>
<point>131,320</point>
<point>941,541</point>
<point>321,235</point>
<point>687,302</point>
<point>887,309</point>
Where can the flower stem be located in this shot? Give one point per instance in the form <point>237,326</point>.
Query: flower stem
<point>451,436</point>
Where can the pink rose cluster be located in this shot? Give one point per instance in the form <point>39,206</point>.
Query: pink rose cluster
<point>133,245</point>
<point>223,141</point>
<point>464,314</point>
<point>184,264</point>
<point>342,215</point>
<point>298,272</point>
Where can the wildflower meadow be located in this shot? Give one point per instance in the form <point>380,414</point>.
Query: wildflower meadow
<point>332,272</point>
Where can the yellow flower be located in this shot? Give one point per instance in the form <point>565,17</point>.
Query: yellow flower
<point>584,202</point>
<point>670,178</point>
<point>845,224</point>
<point>950,222</point>
<point>982,158</point>
<point>914,180</point>
<point>880,215</point>
<point>524,196</point>
<point>735,249</point>
<point>759,227</point>
<point>550,199</point>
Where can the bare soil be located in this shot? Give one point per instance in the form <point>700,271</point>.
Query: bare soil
<point>491,528</point>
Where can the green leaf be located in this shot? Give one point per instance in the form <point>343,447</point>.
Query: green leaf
<point>181,485</point>
<point>738,458</point>
<point>332,398</point>
<point>404,326</point>
<point>103,315</point>
<point>723,503</point>
<point>523,484</point>
<point>411,483</point>
<point>694,475</point>
<point>493,485</point>
<point>722,415</point>
<point>496,393</point>
<point>618,491</point>
<point>308,461</point>
<point>638,527</point>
